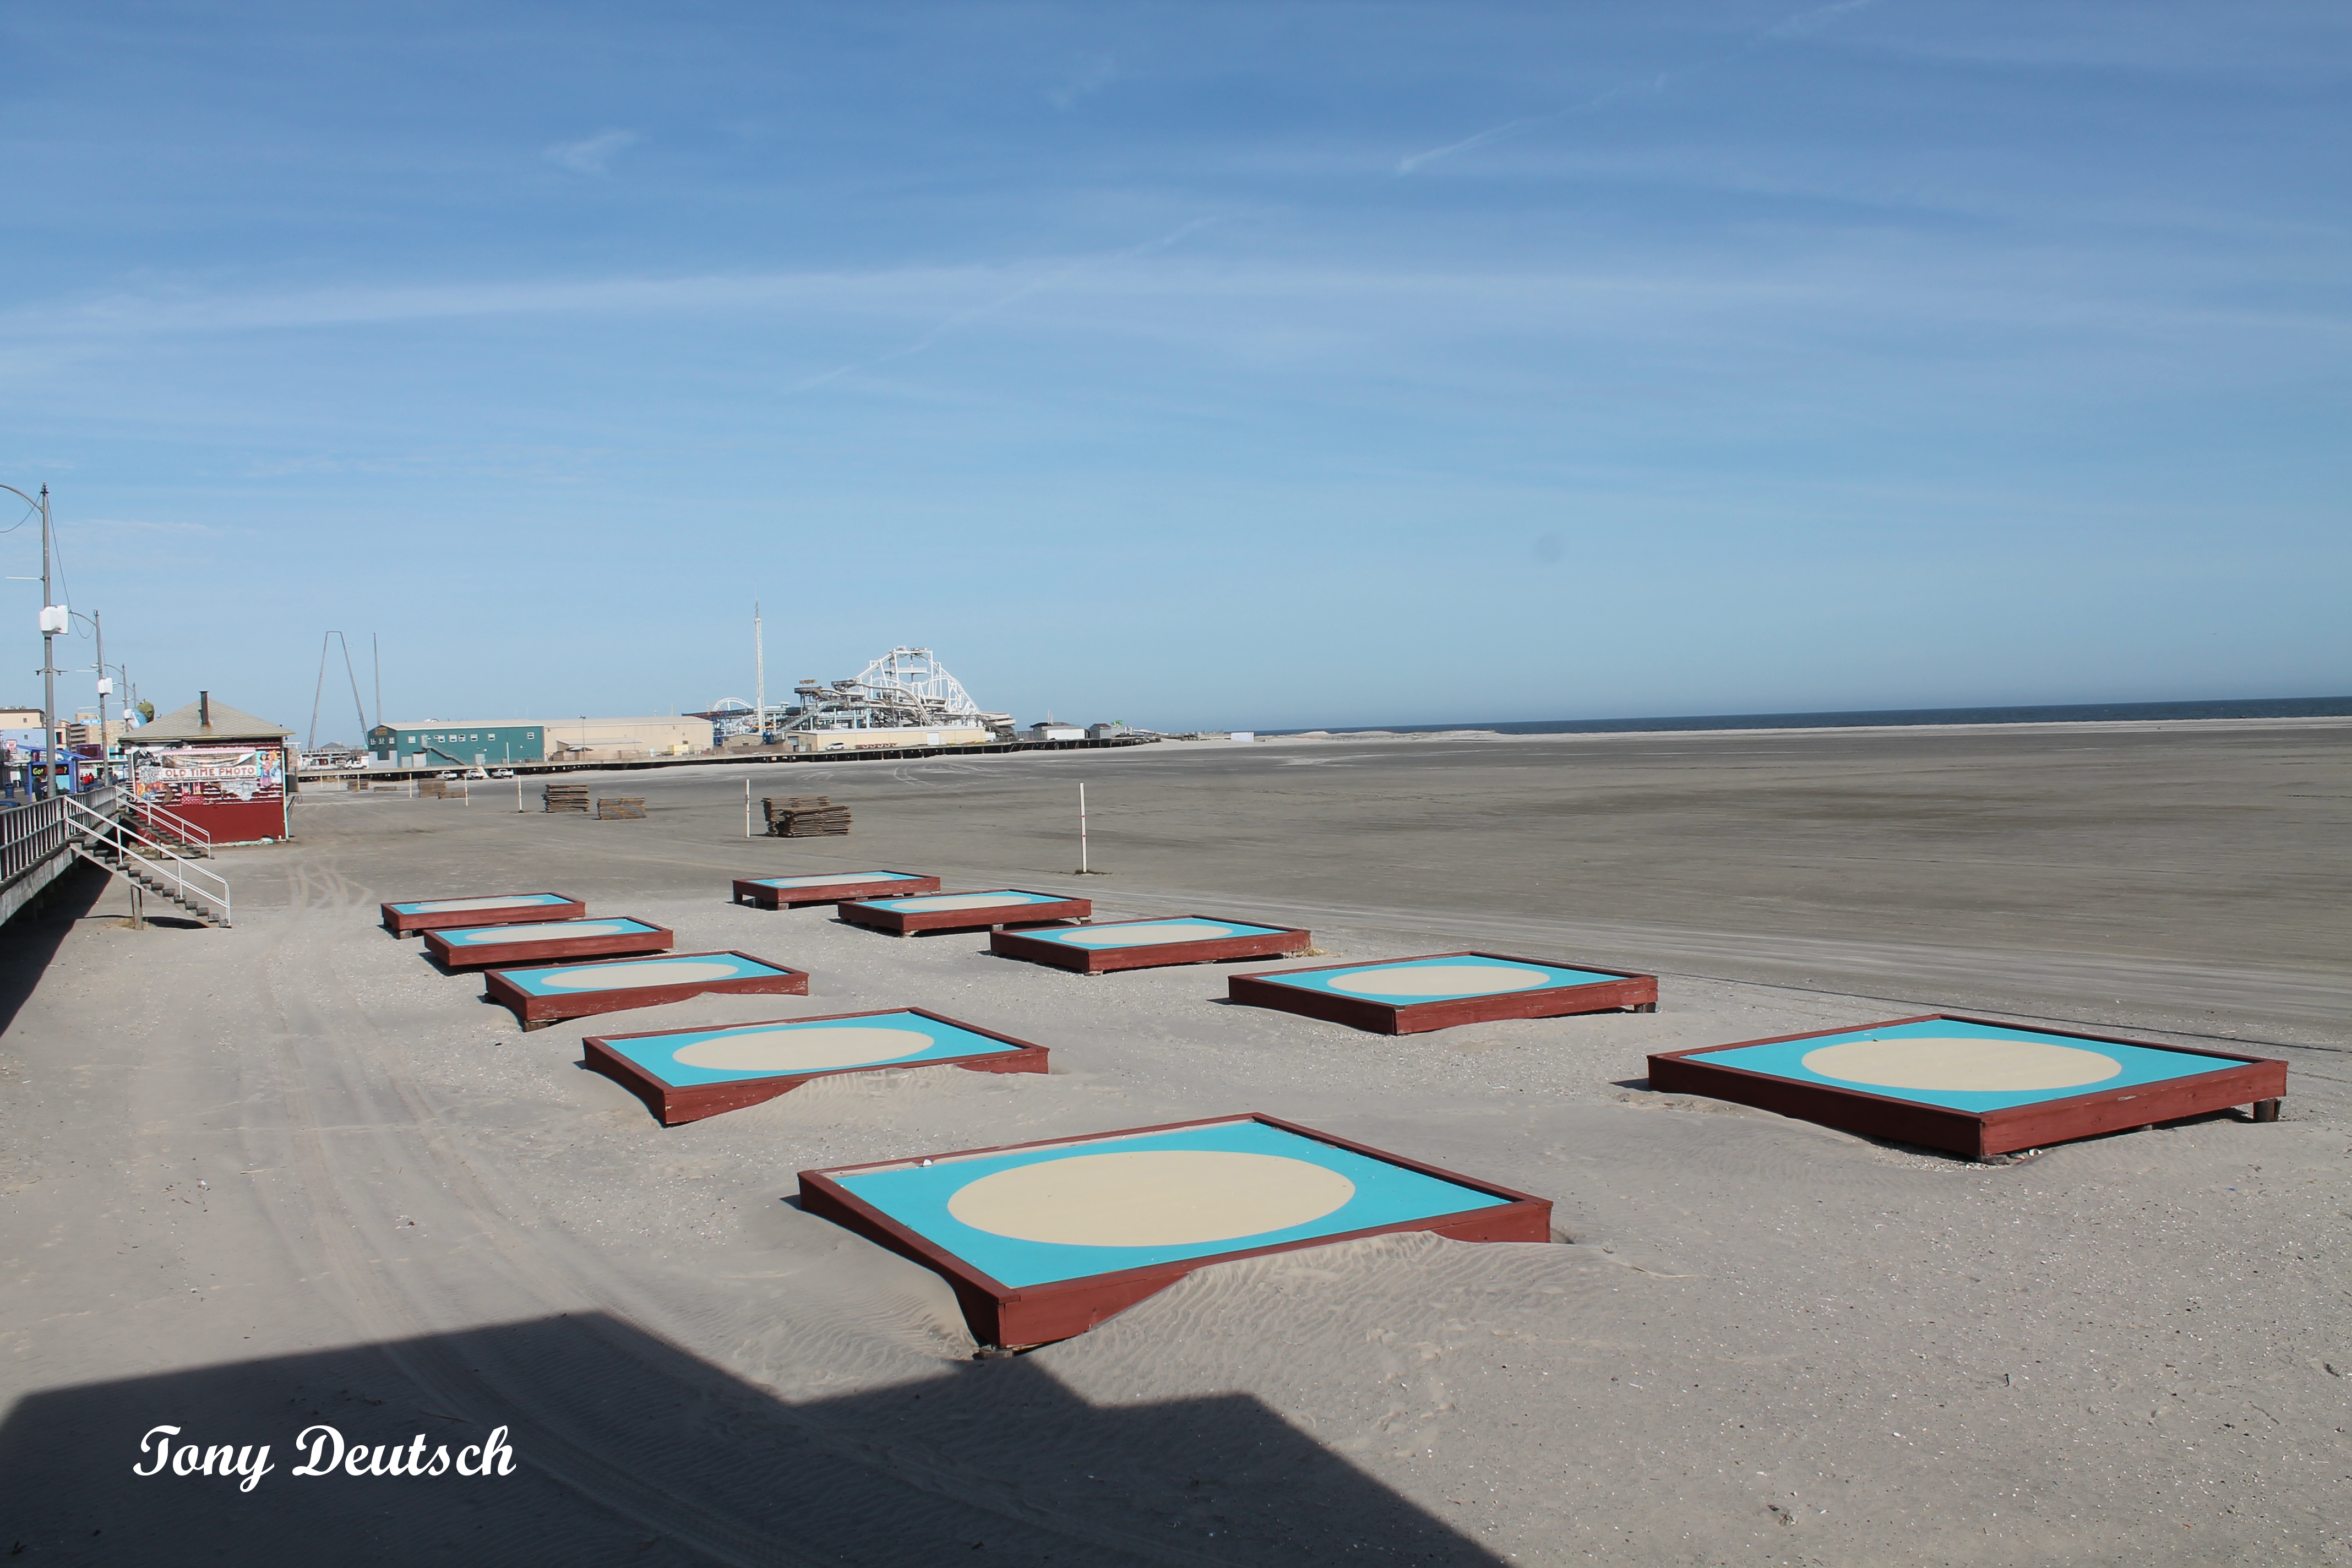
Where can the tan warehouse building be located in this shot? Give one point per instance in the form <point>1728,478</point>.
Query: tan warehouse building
<point>624,740</point>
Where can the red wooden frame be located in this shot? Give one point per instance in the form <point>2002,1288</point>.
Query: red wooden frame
<point>751,890</point>
<point>1004,1315</point>
<point>1976,1133</point>
<point>520,914</point>
<point>553,949</point>
<point>1275,942</point>
<point>907,922</point>
<point>1628,992</point>
<point>676,1104</point>
<point>539,1012</point>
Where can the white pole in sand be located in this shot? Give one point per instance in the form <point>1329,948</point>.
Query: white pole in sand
<point>517,792</point>
<point>1082,832</point>
<point>746,808</point>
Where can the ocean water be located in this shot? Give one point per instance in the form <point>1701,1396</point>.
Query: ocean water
<point>2069,712</point>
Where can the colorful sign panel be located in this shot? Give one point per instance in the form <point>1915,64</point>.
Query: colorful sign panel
<point>209,775</point>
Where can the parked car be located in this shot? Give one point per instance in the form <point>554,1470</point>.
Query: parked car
<point>502,773</point>
<point>476,773</point>
<point>451,774</point>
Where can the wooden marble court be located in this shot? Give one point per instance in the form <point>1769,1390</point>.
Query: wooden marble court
<point>1443,991</point>
<point>1103,946</point>
<point>1041,1241</point>
<point>447,914</point>
<point>478,947</point>
<point>542,997</point>
<point>964,911</point>
<point>1971,1086</point>
<point>684,1075</point>
<point>829,888</point>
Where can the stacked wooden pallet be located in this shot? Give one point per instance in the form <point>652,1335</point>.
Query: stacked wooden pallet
<point>806,816</point>
<point>620,806</point>
<point>566,797</point>
<point>778,807</point>
<point>432,789</point>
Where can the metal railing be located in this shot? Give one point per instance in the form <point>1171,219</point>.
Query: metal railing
<point>36,844</point>
<point>30,835</point>
<point>119,847</point>
<point>163,823</point>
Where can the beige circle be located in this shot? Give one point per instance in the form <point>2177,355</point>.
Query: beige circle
<point>1983,1065</point>
<point>451,906</point>
<point>963,901</point>
<point>543,928</point>
<point>628,976</point>
<point>1140,936</point>
<point>1440,980</point>
<point>804,1051</point>
<point>1164,1197</point>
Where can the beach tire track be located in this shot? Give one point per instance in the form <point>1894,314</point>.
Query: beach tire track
<point>352,1112</point>
<point>341,1204</point>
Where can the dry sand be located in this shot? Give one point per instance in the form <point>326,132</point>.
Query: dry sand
<point>290,1172</point>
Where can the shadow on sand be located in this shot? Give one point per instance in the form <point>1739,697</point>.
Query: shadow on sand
<point>626,1450</point>
<point>30,940</point>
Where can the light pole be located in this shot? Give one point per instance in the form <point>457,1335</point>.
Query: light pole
<point>127,694</point>
<point>53,621</point>
<point>99,632</point>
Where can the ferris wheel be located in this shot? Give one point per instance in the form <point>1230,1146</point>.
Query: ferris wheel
<point>733,716</point>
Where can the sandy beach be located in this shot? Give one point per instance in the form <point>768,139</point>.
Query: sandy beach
<point>291,1174</point>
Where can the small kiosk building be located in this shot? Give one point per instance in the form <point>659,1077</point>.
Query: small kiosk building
<point>224,771</point>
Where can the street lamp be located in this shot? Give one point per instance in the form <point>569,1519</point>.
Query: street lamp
<point>127,693</point>
<point>100,632</point>
<point>53,621</point>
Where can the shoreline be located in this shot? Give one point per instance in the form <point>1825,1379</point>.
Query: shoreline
<point>2006,727</point>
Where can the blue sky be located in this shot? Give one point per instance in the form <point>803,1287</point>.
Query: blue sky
<point>1248,364</point>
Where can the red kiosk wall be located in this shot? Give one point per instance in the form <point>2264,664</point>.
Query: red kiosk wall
<point>235,792</point>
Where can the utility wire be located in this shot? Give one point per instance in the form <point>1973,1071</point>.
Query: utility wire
<point>57,559</point>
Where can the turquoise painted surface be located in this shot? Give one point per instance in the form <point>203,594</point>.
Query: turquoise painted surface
<point>521,900</point>
<point>929,900</point>
<point>658,1053</point>
<point>838,877</point>
<point>2137,1064</point>
<point>1554,979</point>
<point>917,1196</point>
<point>545,930</point>
<point>1212,931</point>
<point>534,980</point>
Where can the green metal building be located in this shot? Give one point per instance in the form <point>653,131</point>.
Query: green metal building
<point>435,744</point>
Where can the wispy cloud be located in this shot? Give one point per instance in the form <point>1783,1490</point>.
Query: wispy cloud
<point>591,155</point>
<point>1249,306</point>
<point>1526,123</point>
<point>1047,280</point>
<point>1796,25</point>
<point>132,529</point>
<point>549,465</point>
<point>1089,80</point>
<point>1814,20</point>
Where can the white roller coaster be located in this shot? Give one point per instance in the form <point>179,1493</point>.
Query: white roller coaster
<point>905,688</point>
